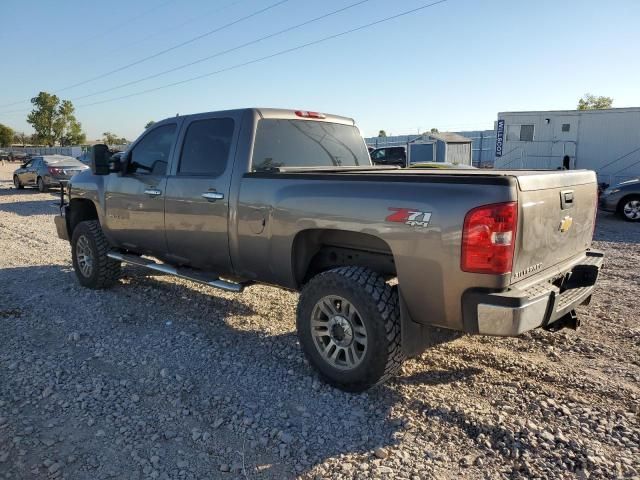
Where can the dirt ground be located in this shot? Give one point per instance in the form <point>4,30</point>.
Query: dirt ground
<point>164,378</point>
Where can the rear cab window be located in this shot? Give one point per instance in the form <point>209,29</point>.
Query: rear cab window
<point>206,147</point>
<point>307,143</point>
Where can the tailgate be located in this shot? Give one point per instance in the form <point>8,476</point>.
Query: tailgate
<point>556,217</point>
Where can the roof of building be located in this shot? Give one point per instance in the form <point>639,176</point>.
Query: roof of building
<point>449,137</point>
<point>574,112</point>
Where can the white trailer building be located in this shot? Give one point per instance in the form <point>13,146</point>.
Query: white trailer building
<point>607,141</point>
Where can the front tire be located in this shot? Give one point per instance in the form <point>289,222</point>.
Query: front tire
<point>17,183</point>
<point>629,208</point>
<point>41,186</point>
<point>89,248</point>
<point>348,323</point>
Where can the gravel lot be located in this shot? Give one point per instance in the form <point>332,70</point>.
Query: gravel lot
<point>164,378</point>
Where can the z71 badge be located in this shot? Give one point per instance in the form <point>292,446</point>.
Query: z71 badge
<point>409,216</point>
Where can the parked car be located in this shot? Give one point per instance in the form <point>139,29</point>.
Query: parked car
<point>4,156</point>
<point>290,198</point>
<point>19,157</point>
<point>389,156</point>
<point>47,171</point>
<point>623,199</point>
<point>442,165</point>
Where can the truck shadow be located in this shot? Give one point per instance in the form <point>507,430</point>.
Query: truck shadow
<point>234,358</point>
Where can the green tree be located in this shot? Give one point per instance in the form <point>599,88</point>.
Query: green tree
<point>112,139</point>
<point>109,138</point>
<point>6,136</point>
<point>43,117</point>
<point>149,124</point>
<point>591,102</point>
<point>435,130</point>
<point>67,130</point>
<point>54,121</point>
<point>382,134</point>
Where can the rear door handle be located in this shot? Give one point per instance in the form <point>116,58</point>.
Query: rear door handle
<point>153,192</point>
<point>213,196</point>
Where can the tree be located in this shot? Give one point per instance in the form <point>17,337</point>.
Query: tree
<point>54,121</point>
<point>591,102</point>
<point>435,130</point>
<point>43,116</point>
<point>382,134</point>
<point>112,139</point>
<point>21,138</point>
<point>149,124</point>
<point>67,130</point>
<point>6,136</point>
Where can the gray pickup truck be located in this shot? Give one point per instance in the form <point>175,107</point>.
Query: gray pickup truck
<point>290,198</point>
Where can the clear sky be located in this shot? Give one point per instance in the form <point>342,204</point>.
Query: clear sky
<point>452,66</point>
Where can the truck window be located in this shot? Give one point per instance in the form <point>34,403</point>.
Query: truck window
<point>304,143</point>
<point>206,146</point>
<point>151,154</point>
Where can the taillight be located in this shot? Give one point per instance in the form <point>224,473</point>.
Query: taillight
<point>54,170</point>
<point>489,237</point>
<point>305,114</point>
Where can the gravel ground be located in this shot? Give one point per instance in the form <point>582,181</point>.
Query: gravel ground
<point>163,378</point>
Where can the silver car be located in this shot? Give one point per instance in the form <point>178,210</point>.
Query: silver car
<point>47,171</point>
<point>623,199</point>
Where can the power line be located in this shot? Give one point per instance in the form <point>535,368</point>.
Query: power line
<point>628,166</point>
<point>175,27</point>
<point>128,21</point>
<point>223,52</point>
<point>619,158</point>
<point>101,34</point>
<point>166,50</point>
<point>267,57</point>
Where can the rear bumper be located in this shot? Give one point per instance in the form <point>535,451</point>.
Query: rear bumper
<point>516,311</point>
<point>51,181</point>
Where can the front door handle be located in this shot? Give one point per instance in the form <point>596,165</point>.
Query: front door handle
<point>153,192</point>
<point>213,196</point>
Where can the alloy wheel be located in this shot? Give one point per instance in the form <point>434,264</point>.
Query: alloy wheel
<point>339,334</point>
<point>84,256</point>
<point>631,209</point>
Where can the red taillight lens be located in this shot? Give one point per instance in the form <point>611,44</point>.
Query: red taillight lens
<point>54,170</point>
<point>488,238</point>
<point>305,114</point>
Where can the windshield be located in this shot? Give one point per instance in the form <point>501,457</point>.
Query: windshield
<point>303,143</point>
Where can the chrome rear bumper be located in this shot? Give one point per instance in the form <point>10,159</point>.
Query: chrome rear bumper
<point>515,311</point>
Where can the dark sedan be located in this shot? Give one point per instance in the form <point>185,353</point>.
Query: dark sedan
<point>47,171</point>
<point>623,199</point>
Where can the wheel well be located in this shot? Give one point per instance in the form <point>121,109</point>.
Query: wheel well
<point>626,198</point>
<point>79,211</point>
<point>318,250</point>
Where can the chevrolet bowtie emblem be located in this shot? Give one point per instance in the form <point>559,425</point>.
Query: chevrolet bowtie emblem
<point>566,223</point>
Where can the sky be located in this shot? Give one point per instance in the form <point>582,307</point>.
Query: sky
<point>452,66</point>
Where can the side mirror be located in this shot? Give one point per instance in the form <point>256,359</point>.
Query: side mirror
<point>100,156</point>
<point>117,163</point>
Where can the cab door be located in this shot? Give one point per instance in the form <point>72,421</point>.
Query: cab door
<point>135,200</point>
<point>197,198</point>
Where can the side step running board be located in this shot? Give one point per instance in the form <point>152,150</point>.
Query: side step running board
<point>187,274</point>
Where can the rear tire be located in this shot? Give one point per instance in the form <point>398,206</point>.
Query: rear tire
<point>348,323</point>
<point>89,248</point>
<point>16,183</point>
<point>41,186</point>
<point>629,208</point>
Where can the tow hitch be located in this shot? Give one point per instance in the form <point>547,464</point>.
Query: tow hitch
<point>569,320</point>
